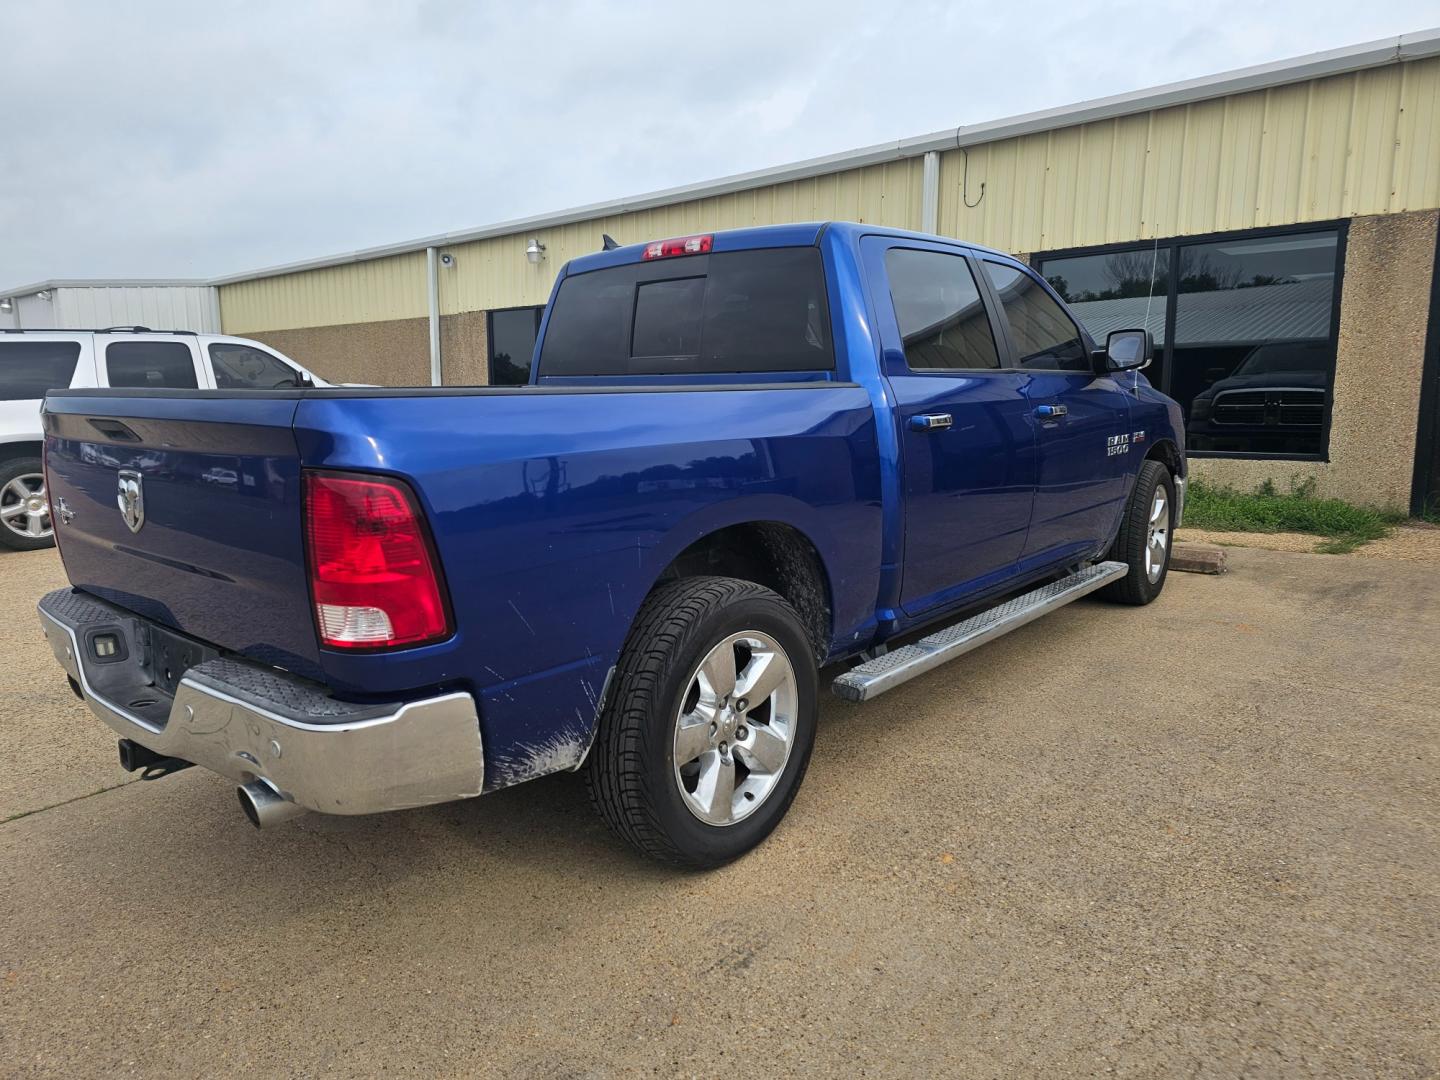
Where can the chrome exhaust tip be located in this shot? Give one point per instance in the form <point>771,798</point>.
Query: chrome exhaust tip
<point>265,806</point>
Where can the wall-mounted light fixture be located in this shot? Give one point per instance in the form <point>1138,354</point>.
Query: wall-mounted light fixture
<point>6,306</point>
<point>43,294</point>
<point>535,250</point>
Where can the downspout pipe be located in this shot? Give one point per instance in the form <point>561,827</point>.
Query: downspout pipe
<point>432,289</point>
<point>930,193</point>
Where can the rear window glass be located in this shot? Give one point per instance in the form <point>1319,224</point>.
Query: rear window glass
<point>668,316</point>
<point>29,368</point>
<point>150,363</point>
<point>737,311</point>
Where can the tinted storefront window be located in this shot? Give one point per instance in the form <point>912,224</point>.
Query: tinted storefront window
<point>1119,290</point>
<point>511,343</point>
<point>1244,331</point>
<point>1253,352</point>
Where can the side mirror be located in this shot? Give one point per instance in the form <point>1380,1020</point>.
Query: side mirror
<point>1128,350</point>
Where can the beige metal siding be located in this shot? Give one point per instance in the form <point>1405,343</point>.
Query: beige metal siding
<point>377,290</point>
<point>494,273</point>
<point>1354,144</point>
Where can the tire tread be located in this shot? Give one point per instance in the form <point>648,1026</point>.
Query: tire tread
<point>615,772</point>
<point>1135,588</point>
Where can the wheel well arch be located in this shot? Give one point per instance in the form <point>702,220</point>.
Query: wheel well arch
<point>1168,454</point>
<point>769,553</point>
<point>21,448</point>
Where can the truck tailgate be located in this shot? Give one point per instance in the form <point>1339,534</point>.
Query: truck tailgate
<point>212,544</point>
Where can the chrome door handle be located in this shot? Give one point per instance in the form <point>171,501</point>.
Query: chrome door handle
<point>935,421</point>
<point>1051,412</point>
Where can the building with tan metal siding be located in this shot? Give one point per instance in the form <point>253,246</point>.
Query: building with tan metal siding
<point>1325,168</point>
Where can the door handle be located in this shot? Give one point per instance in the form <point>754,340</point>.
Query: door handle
<point>935,421</point>
<point>1051,412</point>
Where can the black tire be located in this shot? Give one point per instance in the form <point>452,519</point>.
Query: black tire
<point>11,470</point>
<point>630,773</point>
<point>1136,587</point>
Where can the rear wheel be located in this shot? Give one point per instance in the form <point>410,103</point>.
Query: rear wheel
<point>24,509</point>
<point>710,723</point>
<point>1145,537</point>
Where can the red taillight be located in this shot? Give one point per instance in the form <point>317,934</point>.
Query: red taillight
<point>373,572</point>
<point>684,245</point>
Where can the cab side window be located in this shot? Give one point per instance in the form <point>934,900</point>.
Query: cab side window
<point>1045,337</point>
<point>150,364</point>
<point>242,367</point>
<point>938,308</point>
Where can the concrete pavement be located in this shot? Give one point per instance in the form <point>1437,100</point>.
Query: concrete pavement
<point>1198,838</point>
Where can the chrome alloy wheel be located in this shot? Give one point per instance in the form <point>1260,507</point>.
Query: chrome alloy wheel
<point>24,510</point>
<point>1157,540</point>
<point>735,728</point>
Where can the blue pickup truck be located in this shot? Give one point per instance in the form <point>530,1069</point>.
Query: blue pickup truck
<point>741,457</point>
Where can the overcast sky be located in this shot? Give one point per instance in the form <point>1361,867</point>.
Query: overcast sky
<point>196,139</point>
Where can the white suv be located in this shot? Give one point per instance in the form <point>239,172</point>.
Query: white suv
<point>35,361</point>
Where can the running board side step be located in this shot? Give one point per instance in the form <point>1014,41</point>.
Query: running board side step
<point>874,677</point>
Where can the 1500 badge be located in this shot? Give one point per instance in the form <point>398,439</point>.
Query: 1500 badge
<point>1116,445</point>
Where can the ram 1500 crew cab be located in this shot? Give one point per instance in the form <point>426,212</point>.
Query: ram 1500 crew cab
<point>741,456</point>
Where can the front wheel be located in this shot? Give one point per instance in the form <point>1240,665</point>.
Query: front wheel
<point>710,723</point>
<point>1145,537</point>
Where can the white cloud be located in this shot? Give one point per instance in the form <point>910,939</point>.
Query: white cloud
<point>178,139</point>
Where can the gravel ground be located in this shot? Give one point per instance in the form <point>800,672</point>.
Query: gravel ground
<point>1409,543</point>
<point>1193,839</point>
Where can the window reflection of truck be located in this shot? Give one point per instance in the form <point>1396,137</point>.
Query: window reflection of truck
<point>1273,402</point>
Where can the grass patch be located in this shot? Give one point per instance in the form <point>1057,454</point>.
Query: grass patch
<point>1268,510</point>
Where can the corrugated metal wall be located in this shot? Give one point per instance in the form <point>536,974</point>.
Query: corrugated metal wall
<point>1361,143</point>
<point>1351,145</point>
<point>377,290</point>
<point>160,307</point>
<point>494,273</point>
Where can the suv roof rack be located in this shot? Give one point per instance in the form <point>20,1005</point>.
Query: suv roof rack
<point>91,330</point>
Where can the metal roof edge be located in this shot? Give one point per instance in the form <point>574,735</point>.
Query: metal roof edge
<point>105,283</point>
<point>1403,47</point>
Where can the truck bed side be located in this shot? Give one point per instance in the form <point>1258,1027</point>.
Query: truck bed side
<point>555,512</point>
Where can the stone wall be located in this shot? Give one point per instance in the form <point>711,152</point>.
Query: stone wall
<point>391,353</point>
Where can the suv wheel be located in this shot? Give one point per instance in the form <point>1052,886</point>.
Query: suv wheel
<point>711,721</point>
<point>24,510</point>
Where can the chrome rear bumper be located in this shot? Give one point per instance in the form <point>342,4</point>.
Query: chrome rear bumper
<point>248,722</point>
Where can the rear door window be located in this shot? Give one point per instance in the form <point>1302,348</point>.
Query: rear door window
<point>150,364</point>
<point>244,367</point>
<point>730,312</point>
<point>939,312</point>
<point>1045,337</point>
<point>30,368</point>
